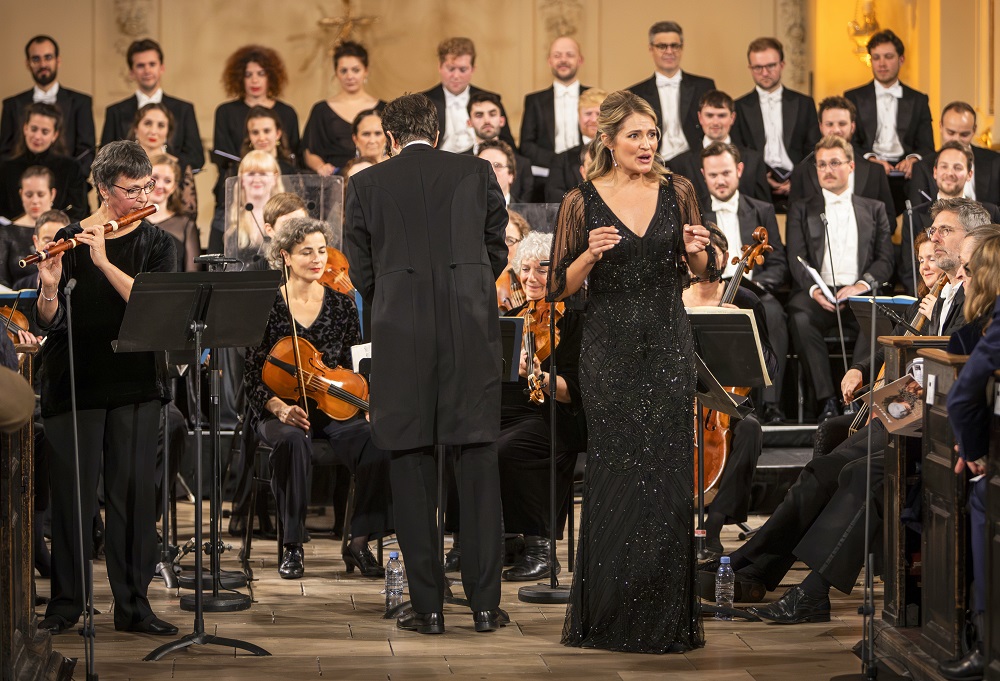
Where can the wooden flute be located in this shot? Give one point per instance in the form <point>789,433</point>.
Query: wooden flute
<point>112,226</point>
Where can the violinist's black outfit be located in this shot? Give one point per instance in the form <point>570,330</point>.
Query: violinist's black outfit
<point>118,399</point>
<point>333,333</point>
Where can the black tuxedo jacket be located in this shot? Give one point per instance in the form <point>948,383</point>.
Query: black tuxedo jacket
<point>77,133</point>
<point>186,141</point>
<point>564,174</point>
<point>870,181</point>
<point>913,120</point>
<point>753,182</point>
<point>753,214</point>
<point>520,189</point>
<point>985,177</point>
<point>538,127</point>
<point>799,125</point>
<point>692,88</point>
<point>805,237</point>
<point>436,95</point>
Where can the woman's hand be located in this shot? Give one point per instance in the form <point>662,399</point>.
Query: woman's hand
<point>927,306</point>
<point>851,382</point>
<point>293,415</point>
<point>50,271</point>
<point>28,338</point>
<point>326,170</point>
<point>695,238</point>
<point>600,240</point>
<point>94,237</point>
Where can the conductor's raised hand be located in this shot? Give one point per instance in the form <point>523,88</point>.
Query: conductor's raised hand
<point>695,238</point>
<point>94,238</point>
<point>600,240</point>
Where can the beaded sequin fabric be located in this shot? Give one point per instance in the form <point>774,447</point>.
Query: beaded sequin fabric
<point>633,589</point>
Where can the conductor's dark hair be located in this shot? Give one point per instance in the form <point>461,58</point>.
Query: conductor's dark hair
<point>666,27</point>
<point>883,37</point>
<point>410,117</point>
<point>40,39</point>
<point>123,158</point>
<point>349,48</point>
<point>144,45</point>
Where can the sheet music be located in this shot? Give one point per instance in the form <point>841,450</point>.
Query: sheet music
<point>818,280</point>
<point>753,323</point>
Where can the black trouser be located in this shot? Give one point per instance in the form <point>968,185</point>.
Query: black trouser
<point>177,427</point>
<point>733,498</point>
<point>978,545</point>
<point>127,435</point>
<point>414,487</point>
<point>771,548</point>
<point>291,461</point>
<point>809,322</point>
<point>777,334</point>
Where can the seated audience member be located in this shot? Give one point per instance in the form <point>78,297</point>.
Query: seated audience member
<point>487,123</point>
<point>737,216</point>
<point>777,122</point>
<point>456,64</point>
<point>46,226</point>
<point>170,216</point>
<point>861,262</point>
<point>958,124</point>
<point>328,139</point>
<point>566,171</point>
<point>75,108</point>
<point>716,115</point>
<point>525,433</point>
<point>368,136</point>
<point>672,93</point>
<point>40,145</point>
<point>146,68</point>
<point>732,501</point>
<point>329,321</point>
<point>502,158</point>
<point>153,128</point>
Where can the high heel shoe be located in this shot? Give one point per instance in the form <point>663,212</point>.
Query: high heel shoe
<point>364,560</point>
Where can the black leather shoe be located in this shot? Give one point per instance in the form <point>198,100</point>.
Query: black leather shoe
<point>364,560</point>
<point>794,607</point>
<point>293,562</point>
<point>453,560</point>
<point>431,623</point>
<point>490,620</point>
<point>713,549</point>
<point>534,564</point>
<point>745,589</point>
<point>828,409</point>
<point>968,667</point>
<point>55,624</point>
<point>773,415</point>
<point>154,626</point>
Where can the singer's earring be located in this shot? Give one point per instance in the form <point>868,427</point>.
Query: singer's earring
<point>613,161</point>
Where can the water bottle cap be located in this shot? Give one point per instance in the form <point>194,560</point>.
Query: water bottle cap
<point>724,560</point>
<point>395,554</point>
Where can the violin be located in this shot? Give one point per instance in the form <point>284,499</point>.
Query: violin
<point>13,321</point>
<point>339,393</point>
<point>537,339</point>
<point>335,275</point>
<point>510,294</point>
<point>718,435</point>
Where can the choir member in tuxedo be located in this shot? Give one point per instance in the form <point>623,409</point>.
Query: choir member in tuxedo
<point>327,141</point>
<point>861,262</point>
<point>778,122</point>
<point>737,215</point>
<point>567,167</point>
<point>43,61</point>
<point>146,67</point>
<point>672,93</point>
<point>153,128</point>
<point>425,231</point>
<point>16,237</point>
<point>732,501</point>
<point>716,116</point>
<point>456,65</point>
<point>502,158</point>
<point>894,120</point>
<point>488,123</point>
<point>958,124</point>
<point>40,144</point>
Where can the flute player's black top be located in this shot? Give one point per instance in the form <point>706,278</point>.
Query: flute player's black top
<point>104,379</point>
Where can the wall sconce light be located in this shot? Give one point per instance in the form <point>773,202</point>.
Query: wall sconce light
<point>862,28</point>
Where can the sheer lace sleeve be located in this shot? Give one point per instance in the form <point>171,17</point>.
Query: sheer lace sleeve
<point>569,242</point>
<point>689,213</point>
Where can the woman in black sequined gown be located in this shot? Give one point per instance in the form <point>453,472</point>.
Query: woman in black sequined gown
<point>629,232</point>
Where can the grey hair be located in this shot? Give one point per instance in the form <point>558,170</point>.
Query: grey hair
<point>124,158</point>
<point>971,214</point>
<point>535,246</point>
<point>291,234</point>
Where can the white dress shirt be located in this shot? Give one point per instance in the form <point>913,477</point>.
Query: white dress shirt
<point>948,292</point>
<point>39,95</point>
<point>458,136</point>
<point>567,99</point>
<point>142,99</point>
<point>673,143</point>
<point>843,226</point>
<point>887,146</point>
<point>775,154</point>
<point>727,219</point>
<point>705,141</point>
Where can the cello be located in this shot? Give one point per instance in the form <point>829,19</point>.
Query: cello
<point>718,437</point>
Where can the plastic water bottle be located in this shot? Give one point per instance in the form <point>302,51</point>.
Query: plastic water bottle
<point>725,584</point>
<point>394,575</point>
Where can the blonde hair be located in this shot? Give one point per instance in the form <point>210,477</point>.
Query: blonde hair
<point>984,286</point>
<point>519,221</point>
<point>591,97</point>
<point>836,142</point>
<point>254,162</point>
<point>615,109</point>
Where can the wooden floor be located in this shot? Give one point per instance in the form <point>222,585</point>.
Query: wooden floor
<point>328,625</point>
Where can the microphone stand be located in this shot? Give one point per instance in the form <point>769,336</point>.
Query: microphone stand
<point>833,278</point>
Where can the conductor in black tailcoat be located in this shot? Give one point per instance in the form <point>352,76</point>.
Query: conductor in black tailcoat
<point>424,236</point>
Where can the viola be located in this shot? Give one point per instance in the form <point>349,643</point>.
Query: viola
<point>537,339</point>
<point>336,275</point>
<point>339,393</point>
<point>13,321</point>
<point>510,294</point>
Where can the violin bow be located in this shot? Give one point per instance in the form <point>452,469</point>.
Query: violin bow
<point>295,343</point>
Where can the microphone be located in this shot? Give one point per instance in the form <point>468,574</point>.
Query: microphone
<point>216,259</point>
<point>910,207</point>
<point>310,206</point>
<point>891,314</point>
<point>249,208</point>
<point>70,285</point>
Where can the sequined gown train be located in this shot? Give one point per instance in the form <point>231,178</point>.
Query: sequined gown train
<point>633,589</point>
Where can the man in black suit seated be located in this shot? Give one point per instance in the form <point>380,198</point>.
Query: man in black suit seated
<point>737,216</point>
<point>861,262</point>
<point>77,132</point>
<point>958,123</point>
<point>456,64</point>
<point>778,122</point>
<point>145,65</point>
<point>568,167</point>
<point>550,123</point>
<point>674,94</point>
<point>716,116</point>
<point>487,124</point>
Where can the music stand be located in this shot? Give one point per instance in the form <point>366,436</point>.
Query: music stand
<point>184,312</point>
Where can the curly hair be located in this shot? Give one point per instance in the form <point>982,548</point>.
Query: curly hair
<point>291,235</point>
<point>269,60</point>
<point>534,246</point>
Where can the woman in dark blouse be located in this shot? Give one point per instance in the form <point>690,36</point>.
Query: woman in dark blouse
<point>329,321</point>
<point>118,395</point>
<point>327,140</point>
